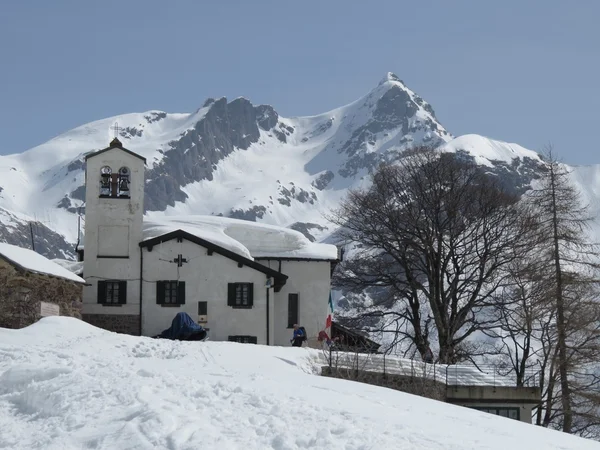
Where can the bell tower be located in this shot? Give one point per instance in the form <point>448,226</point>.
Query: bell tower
<point>114,210</point>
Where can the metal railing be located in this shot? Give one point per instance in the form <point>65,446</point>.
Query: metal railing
<point>450,375</point>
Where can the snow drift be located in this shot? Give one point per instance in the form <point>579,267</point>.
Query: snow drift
<point>67,385</point>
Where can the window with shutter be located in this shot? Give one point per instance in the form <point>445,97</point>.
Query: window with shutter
<point>112,292</point>
<point>243,339</point>
<point>122,292</point>
<point>170,293</point>
<point>160,292</point>
<point>292,310</point>
<point>240,295</point>
<point>101,291</point>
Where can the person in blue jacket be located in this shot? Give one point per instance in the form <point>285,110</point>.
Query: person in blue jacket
<point>299,336</point>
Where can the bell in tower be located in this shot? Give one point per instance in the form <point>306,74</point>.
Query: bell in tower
<point>105,174</point>
<point>124,182</point>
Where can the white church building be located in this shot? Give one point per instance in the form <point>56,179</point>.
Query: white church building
<point>243,281</point>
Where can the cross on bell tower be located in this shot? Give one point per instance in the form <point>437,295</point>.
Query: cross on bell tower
<point>116,128</point>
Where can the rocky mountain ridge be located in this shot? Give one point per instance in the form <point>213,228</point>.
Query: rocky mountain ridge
<point>240,160</point>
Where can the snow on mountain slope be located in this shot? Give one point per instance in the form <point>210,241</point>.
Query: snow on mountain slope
<point>239,160</point>
<point>488,151</point>
<point>67,385</point>
<point>303,178</point>
<point>233,159</point>
<point>34,182</point>
<point>587,181</point>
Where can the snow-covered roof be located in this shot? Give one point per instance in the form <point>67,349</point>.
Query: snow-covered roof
<point>75,267</point>
<point>34,262</point>
<point>248,239</point>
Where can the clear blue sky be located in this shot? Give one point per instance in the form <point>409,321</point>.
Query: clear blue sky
<point>519,71</point>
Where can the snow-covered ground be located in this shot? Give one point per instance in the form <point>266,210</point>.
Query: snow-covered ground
<point>67,385</point>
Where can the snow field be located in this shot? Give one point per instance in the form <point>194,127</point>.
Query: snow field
<point>67,385</point>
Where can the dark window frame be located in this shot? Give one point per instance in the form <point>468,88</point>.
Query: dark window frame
<point>175,290</point>
<point>243,339</point>
<point>235,295</point>
<point>117,290</point>
<point>293,309</point>
<point>496,410</point>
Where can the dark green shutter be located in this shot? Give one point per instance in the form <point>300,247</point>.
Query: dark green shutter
<point>202,308</point>
<point>181,293</point>
<point>231,294</point>
<point>250,294</point>
<point>122,292</point>
<point>101,291</point>
<point>160,292</point>
<point>292,310</point>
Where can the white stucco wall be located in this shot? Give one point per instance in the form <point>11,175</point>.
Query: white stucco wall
<point>206,277</point>
<point>312,282</point>
<point>118,222</point>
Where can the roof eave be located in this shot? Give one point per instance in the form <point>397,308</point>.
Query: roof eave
<point>114,147</point>
<point>291,258</point>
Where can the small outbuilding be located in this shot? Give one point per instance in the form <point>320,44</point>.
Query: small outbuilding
<point>32,286</point>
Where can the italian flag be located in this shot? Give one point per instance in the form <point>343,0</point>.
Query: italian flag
<point>329,315</point>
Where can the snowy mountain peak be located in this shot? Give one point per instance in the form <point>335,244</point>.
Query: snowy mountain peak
<point>238,160</point>
<point>390,76</point>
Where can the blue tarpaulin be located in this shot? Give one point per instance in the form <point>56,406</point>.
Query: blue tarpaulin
<point>182,328</point>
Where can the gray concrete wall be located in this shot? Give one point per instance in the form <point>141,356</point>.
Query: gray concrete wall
<point>524,398</point>
<point>412,385</point>
<point>493,393</point>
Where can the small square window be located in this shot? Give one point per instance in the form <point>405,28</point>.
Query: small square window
<point>243,339</point>
<point>240,295</point>
<point>112,293</point>
<point>170,293</point>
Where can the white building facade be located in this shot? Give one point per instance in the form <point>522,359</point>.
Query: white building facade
<point>141,273</point>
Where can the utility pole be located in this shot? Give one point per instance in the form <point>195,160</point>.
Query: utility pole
<point>31,231</point>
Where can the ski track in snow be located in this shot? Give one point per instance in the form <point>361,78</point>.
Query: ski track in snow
<point>67,385</point>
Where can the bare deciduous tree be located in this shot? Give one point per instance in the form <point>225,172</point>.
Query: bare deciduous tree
<point>548,314</point>
<point>437,232</point>
<point>563,222</point>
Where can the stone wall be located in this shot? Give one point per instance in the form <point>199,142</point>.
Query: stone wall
<point>21,293</point>
<point>126,324</point>
<point>412,385</point>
